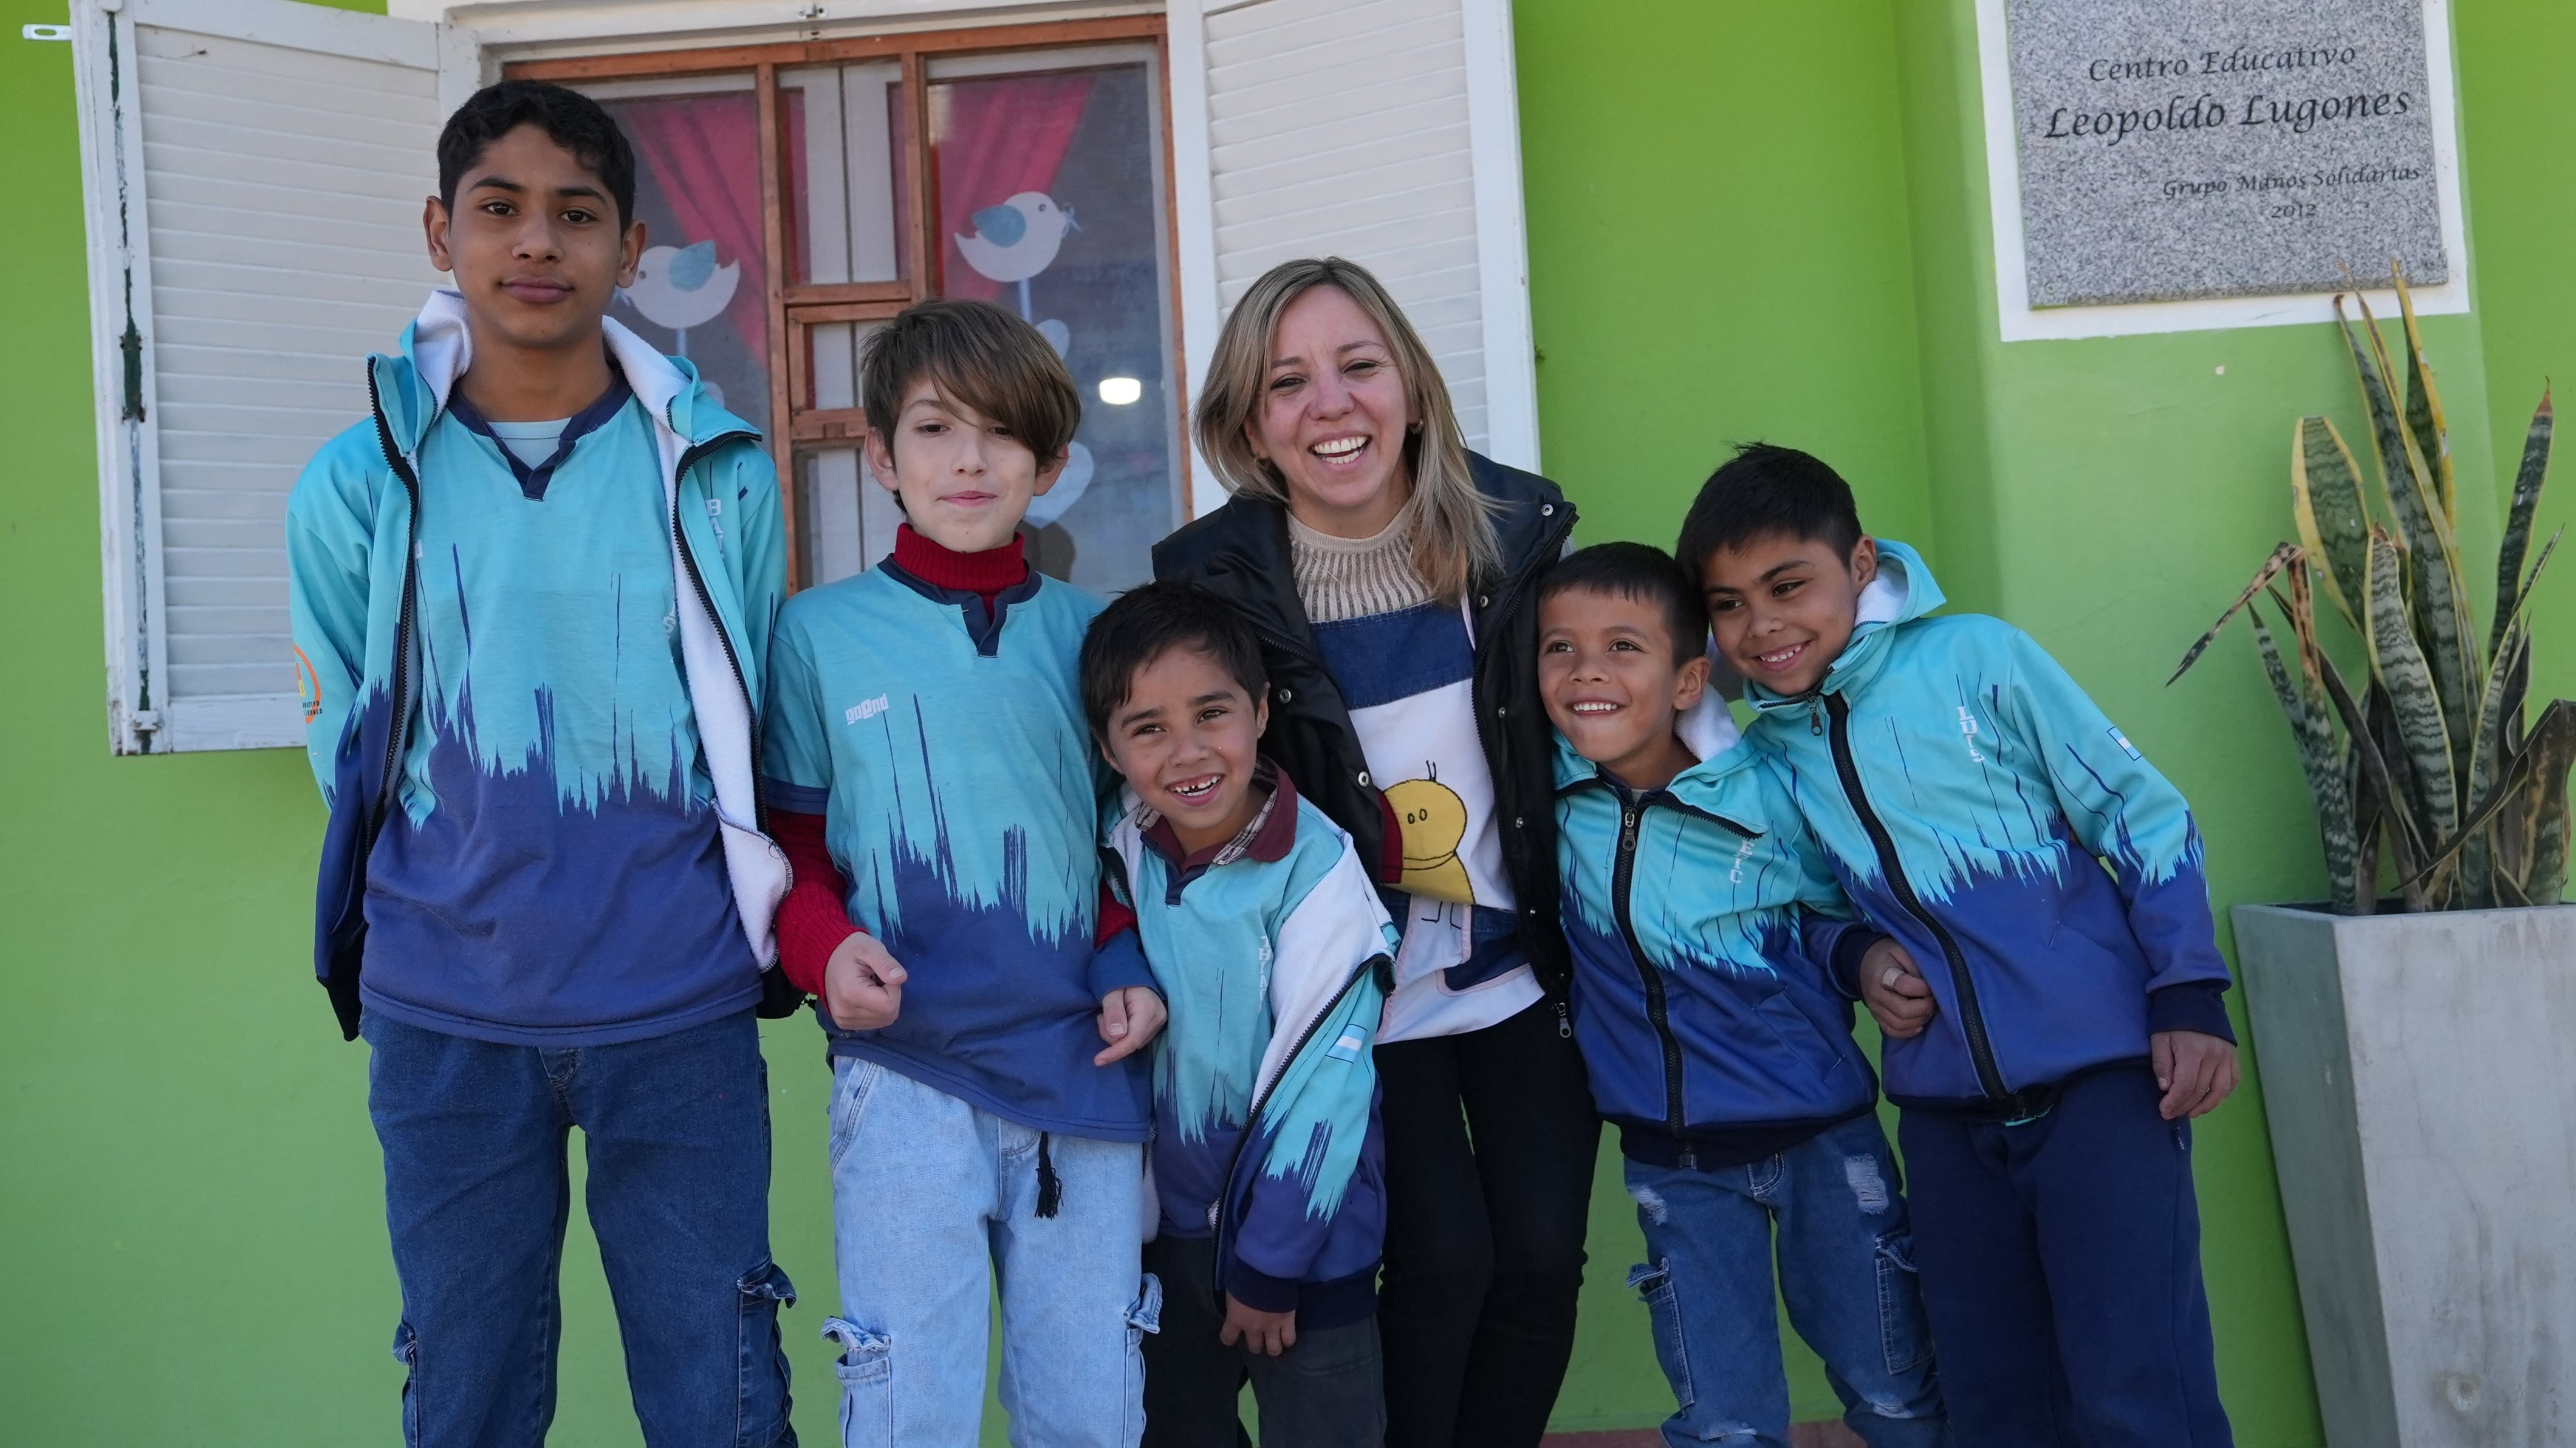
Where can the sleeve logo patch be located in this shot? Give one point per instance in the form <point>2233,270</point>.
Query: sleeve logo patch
<point>865,709</point>
<point>1354,1040</point>
<point>2122,740</point>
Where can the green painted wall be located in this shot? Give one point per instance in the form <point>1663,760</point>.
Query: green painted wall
<point>1746,220</point>
<point>2520,137</point>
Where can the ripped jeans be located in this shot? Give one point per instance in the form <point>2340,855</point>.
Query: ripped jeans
<point>676,1129</point>
<point>1845,1271</point>
<point>938,1207</point>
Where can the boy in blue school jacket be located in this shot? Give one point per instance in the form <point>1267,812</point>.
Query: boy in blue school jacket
<point>989,1107</point>
<point>1714,968</point>
<point>1273,951</point>
<point>2056,1021</point>
<point>531,600</point>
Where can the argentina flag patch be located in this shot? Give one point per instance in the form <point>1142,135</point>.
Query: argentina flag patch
<point>1354,1040</point>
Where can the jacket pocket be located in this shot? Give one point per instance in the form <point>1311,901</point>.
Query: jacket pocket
<point>1799,1037</point>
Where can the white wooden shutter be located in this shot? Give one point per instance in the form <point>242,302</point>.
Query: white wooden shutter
<point>1386,131</point>
<point>254,172</point>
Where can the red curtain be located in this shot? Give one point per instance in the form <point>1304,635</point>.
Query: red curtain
<point>704,154</point>
<point>992,140</point>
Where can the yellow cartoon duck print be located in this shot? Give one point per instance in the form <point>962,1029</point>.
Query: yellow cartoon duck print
<point>1434,821</point>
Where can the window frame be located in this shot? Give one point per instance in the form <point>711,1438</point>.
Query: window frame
<point>793,307</point>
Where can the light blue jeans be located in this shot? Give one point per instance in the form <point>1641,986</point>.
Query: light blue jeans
<point>1846,1274</point>
<point>934,1204</point>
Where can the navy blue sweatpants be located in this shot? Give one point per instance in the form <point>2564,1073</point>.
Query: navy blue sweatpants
<point>2060,1265</point>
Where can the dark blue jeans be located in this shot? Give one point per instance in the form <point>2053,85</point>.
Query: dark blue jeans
<point>1829,1211</point>
<point>477,1193</point>
<point>2061,1267</point>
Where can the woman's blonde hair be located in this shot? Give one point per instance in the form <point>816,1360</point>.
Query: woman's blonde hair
<point>1453,530</point>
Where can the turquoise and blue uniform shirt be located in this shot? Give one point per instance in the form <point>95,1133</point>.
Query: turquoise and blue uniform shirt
<point>1713,958</point>
<point>1272,953</point>
<point>1979,807</point>
<point>945,749</point>
<point>553,868</point>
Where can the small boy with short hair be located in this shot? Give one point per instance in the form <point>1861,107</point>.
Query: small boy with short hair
<point>2055,1018</point>
<point>1714,967</point>
<point>1274,951</point>
<point>929,772</point>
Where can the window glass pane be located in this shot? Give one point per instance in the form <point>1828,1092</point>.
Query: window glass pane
<point>701,291</point>
<point>1050,203</point>
<point>835,362</point>
<point>845,521</point>
<point>845,165</point>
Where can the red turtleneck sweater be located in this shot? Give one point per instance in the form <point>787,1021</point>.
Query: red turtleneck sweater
<point>813,920</point>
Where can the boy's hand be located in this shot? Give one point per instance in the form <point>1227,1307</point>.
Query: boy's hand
<point>2196,1071</point>
<point>1893,989</point>
<point>1130,1017</point>
<point>1267,1333</point>
<point>863,984</point>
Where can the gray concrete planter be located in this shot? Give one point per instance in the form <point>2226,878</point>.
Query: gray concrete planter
<point>2419,1075</point>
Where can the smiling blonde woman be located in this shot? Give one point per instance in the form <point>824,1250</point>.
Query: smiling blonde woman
<point>1392,576</point>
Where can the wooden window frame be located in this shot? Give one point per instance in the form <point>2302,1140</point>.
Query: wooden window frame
<point>795,307</point>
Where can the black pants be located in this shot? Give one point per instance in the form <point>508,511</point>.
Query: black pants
<point>1321,1393</point>
<point>1490,1147</point>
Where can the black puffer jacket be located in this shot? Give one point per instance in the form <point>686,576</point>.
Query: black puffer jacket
<point>1240,551</point>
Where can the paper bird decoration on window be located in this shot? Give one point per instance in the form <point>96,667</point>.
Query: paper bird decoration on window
<point>1017,240</point>
<point>680,287</point>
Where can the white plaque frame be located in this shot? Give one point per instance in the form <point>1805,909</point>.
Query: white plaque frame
<point>2022,322</point>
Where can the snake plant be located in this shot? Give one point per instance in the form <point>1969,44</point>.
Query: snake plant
<point>2431,768</point>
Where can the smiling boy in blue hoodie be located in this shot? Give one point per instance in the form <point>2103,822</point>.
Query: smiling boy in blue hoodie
<point>2056,1021</point>
<point>1713,967</point>
<point>531,597</point>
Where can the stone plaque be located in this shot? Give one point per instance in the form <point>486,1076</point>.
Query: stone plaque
<point>2176,149</point>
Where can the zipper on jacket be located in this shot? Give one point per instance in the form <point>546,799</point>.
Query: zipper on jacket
<point>1549,547</point>
<point>1261,1103</point>
<point>706,599</point>
<point>1622,878</point>
<point>398,727</point>
<point>1972,1021</point>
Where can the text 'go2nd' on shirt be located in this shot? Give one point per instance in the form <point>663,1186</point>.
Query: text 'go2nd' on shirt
<point>554,875</point>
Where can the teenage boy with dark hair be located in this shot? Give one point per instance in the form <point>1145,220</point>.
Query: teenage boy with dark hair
<point>1714,967</point>
<point>929,772</point>
<point>1274,950</point>
<point>2056,1020</point>
<point>531,598</point>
